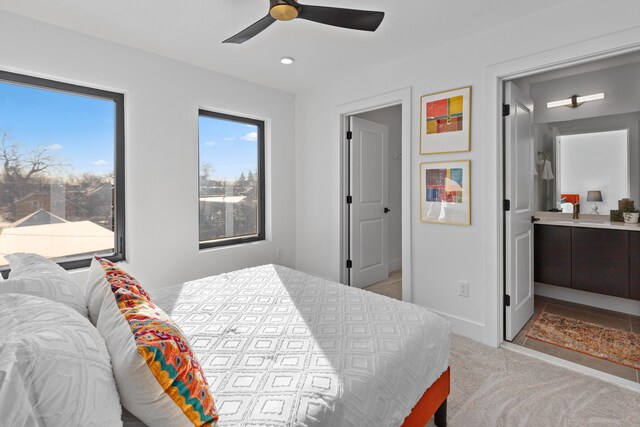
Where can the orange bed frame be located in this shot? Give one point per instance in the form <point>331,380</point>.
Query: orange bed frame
<point>433,403</point>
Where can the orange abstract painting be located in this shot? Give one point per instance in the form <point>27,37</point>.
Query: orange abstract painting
<point>445,115</point>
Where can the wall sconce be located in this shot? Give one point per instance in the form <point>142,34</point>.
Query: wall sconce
<point>575,100</point>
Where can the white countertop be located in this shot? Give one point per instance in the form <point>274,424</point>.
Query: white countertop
<point>590,223</point>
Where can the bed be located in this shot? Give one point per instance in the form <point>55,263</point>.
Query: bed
<point>281,348</point>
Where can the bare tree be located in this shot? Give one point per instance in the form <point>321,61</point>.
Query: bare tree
<point>23,171</point>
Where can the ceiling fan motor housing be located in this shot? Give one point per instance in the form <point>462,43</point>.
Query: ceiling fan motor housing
<point>283,11</point>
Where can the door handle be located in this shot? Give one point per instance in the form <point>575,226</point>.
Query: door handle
<point>387,210</point>
<point>534,219</point>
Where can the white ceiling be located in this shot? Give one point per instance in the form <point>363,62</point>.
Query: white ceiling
<point>192,31</point>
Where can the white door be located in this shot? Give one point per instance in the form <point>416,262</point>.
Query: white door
<point>369,191</point>
<point>519,161</point>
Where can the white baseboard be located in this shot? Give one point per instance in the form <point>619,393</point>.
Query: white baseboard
<point>606,302</point>
<point>395,264</point>
<point>465,327</point>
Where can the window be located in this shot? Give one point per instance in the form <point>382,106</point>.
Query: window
<point>61,171</point>
<point>231,187</point>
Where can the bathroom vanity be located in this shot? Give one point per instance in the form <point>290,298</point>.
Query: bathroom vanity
<point>591,255</point>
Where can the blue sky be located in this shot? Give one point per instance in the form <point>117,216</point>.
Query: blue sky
<point>230,147</point>
<point>78,130</point>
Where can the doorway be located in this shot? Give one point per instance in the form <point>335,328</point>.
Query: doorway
<point>374,171</point>
<point>392,110</point>
<point>571,275</point>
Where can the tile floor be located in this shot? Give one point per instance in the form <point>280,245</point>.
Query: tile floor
<point>599,316</point>
<point>392,287</point>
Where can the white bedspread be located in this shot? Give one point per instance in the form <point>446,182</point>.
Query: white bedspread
<point>282,348</point>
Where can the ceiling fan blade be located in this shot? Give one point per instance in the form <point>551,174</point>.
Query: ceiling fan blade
<point>346,18</point>
<point>251,31</point>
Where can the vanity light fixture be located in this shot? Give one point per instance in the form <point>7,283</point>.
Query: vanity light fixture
<point>575,100</point>
<point>286,60</point>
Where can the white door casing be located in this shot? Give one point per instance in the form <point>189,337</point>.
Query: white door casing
<point>369,190</point>
<point>519,161</point>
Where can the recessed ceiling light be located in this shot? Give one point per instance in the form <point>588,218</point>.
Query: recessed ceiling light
<point>286,60</point>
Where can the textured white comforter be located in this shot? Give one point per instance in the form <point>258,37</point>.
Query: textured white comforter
<point>282,348</point>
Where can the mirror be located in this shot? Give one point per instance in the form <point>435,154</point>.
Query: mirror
<point>578,156</point>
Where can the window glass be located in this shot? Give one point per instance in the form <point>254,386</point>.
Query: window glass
<point>231,179</point>
<point>58,169</point>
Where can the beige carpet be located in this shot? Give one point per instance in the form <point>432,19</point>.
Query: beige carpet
<point>496,387</point>
<point>392,287</point>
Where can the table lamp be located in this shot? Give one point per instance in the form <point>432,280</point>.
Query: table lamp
<point>594,196</point>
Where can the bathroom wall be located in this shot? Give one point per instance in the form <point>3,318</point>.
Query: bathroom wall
<point>543,189</point>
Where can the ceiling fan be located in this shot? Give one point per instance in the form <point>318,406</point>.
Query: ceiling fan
<point>286,10</point>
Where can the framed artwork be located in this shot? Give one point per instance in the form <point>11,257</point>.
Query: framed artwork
<point>445,192</point>
<point>445,121</point>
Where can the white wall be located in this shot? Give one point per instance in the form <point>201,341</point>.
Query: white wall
<point>595,161</point>
<point>162,98</point>
<point>619,85</point>
<point>543,189</point>
<point>392,117</point>
<point>442,254</point>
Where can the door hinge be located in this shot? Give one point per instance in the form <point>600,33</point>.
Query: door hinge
<point>506,205</point>
<point>507,301</point>
<point>349,263</point>
<point>349,200</point>
<point>349,135</point>
<point>506,110</point>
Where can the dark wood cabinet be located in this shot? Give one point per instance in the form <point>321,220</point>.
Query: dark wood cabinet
<point>634,265</point>
<point>604,261</point>
<point>600,261</point>
<point>552,255</point>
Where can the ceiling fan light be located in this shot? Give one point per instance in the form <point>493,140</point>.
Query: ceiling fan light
<point>286,60</point>
<point>283,12</point>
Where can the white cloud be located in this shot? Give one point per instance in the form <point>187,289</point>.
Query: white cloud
<point>54,147</point>
<point>229,138</point>
<point>210,143</point>
<point>100,162</point>
<point>251,136</point>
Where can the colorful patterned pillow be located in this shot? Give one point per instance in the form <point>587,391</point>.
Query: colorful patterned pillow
<point>159,378</point>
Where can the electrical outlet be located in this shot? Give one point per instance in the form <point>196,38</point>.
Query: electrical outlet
<point>280,254</point>
<point>463,288</point>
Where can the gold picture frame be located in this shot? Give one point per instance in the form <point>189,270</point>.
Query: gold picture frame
<point>445,192</point>
<point>445,121</point>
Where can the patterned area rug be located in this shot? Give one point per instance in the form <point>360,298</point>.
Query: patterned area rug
<point>614,345</point>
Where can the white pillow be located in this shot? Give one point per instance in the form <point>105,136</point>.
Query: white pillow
<point>54,367</point>
<point>33,274</point>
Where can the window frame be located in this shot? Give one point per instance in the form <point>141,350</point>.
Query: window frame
<point>260,124</point>
<point>119,253</point>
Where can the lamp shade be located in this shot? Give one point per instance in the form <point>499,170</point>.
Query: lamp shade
<point>594,196</point>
